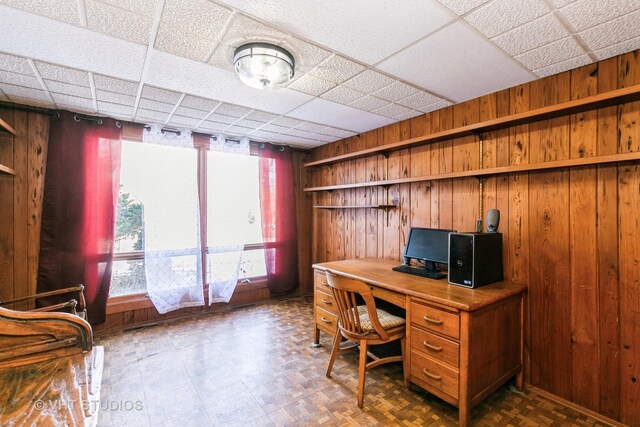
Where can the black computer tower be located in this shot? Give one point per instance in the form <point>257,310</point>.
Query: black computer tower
<point>475,259</point>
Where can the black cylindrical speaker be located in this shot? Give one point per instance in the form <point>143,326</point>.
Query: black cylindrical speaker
<point>493,220</point>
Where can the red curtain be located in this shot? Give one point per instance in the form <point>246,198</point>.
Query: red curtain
<point>278,209</point>
<point>79,209</point>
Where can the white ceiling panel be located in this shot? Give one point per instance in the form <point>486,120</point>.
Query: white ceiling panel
<point>264,135</point>
<point>190,112</point>
<point>306,55</point>
<point>232,110</point>
<point>311,127</point>
<point>108,107</point>
<point>461,7</point>
<point>116,85</point>
<point>369,103</point>
<point>261,116</point>
<point>618,48</point>
<point>161,95</point>
<point>60,10</point>
<point>275,128</point>
<point>182,121</point>
<point>13,91</point>
<point>322,111</point>
<point>621,29</point>
<point>343,95</point>
<point>369,81</point>
<point>287,122</point>
<point>311,85</point>
<point>338,133</point>
<point>201,17</point>
<point>182,75</point>
<point>583,14</point>
<point>72,46</point>
<point>15,64</point>
<point>408,115</point>
<point>396,91</point>
<point>563,66</point>
<point>539,32</point>
<point>249,123</point>
<point>222,118</point>
<point>150,104</point>
<point>337,69</point>
<point>199,103</point>
<point>63,74</point>
<point>20,80</point>
<point>73,101</point>
<point>155,116</point>
<point>419,100</point>
<point>393,110</point>
<point>368,34</point>
<point>435,106</point>
<point>500,16</point>
<point>212,126</point>
<point>180,42</point>
<point>115,98</point>
<point>550,54</point>
<point>68,89</point>
<point>118,23</point>
<point>140,7</point>
<point>444,61</point>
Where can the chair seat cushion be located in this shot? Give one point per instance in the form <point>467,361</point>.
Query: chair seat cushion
<point>387,320</point>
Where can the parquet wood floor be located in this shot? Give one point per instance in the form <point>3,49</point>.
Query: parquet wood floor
<point>254,366</point>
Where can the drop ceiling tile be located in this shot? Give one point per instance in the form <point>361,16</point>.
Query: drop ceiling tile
<point>60,10</point>
<point>408,115</point>
<point>33,102</point>
<point>613,32</point>
<point>396,91</point>
<point>263,134</point>
<point>306,55</point>
<point>563,66</point>
<point>443,60</point>
<point>182,121</point>
<point>311,85</point>
<point>249,124</point>
<point>150,104</point>
<point>118,23</point>
<point>13,92</point>
<point>287,122</point>
<point>360,37</point>
<point>20,80</point>
<point>343,95</point>
<point>561,3</point>
<point>200,17</point>
<point>418,100</point>
<point>337,69</point>
<point>68,89</point>
<point>221,118</point>
<point>539,32</point>
<point>139,7</point>
<point>369,81</point>
<point>180,42</point>
<point>435,106</point>
<point>392,110</point>
<point>115,85</point>
<point>320,110</point>
<point>583,14</point>
<point>324,138</point>
<point>239,130</point>
<point>298,132</point>
<point>552,53</point>
<point>275,128</point>
<point>261,116</point>
<point>617,49</point>
<point>311,127</point>
<point>73,101</point>
<point>199,103</point>
<point>115,98</point>
<point>369,103</point>
<point>213,126</point>
<point>190,112</point>
<point>108,107</point>
<point>500,16</point>
<point>15,64</point>
<point>232,110</point>
<point>63,74</point>
<point>158,94</point>
<point>461,7</point>
<point>338,133</point>
<point>80,109</point>
<point>154,116</point>
<point>60,43</point>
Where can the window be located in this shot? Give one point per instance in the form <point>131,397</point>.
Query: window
<point>153,177</point>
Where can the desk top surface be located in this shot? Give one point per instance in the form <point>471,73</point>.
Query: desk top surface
<point>377,272</point>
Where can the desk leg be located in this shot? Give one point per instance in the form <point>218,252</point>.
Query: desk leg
<point>316,340</point>
<point>520,375</point>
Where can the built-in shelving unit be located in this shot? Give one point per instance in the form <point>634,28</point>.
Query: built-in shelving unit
<point>5,128</point>
<point>607,99</point>
<point>477,173</point>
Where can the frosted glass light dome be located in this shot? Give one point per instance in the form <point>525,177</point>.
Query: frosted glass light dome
<point>263,65</point>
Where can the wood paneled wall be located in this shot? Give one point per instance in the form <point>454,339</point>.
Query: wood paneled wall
<point>570,234</point>
<point>21,201</point>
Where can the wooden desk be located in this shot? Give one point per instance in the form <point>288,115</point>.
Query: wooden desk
<point>463,343</point>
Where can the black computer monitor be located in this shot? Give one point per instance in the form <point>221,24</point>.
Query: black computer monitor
<point>429,245</point>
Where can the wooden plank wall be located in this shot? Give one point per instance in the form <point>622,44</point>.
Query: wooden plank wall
<point>571,234</point>
<point>21,201</point>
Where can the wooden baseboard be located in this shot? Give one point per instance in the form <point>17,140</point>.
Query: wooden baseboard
<point>601,418</point>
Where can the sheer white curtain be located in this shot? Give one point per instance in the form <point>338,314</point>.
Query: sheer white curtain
<point>227,216</point>
<point>173,263</point>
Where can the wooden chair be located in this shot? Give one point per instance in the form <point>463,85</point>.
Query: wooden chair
<point>363,324</point>
<point>75,304</point>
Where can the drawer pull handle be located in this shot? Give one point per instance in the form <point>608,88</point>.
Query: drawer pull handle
<point>432,376</point>
<point>325,320</point>
<point>326,301</point>
<point>324,283</point>
<point>431,346</point>
<point>434,321</point>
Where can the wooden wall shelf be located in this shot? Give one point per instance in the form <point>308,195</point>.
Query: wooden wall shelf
<point>4,127</point>
<point>6,170</point>
<point>614,97</point>
<point>385,207</point>
<point>583,161</point>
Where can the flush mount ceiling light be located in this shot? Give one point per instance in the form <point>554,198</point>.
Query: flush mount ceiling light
<point>263,65</point>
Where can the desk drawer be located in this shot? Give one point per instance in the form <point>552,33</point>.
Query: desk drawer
<point>326,321</point>
<point>321,283</point>
<point>435,319</point>
<point>435,346</point>
<point>326,301</point>
<point>426,371</point>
